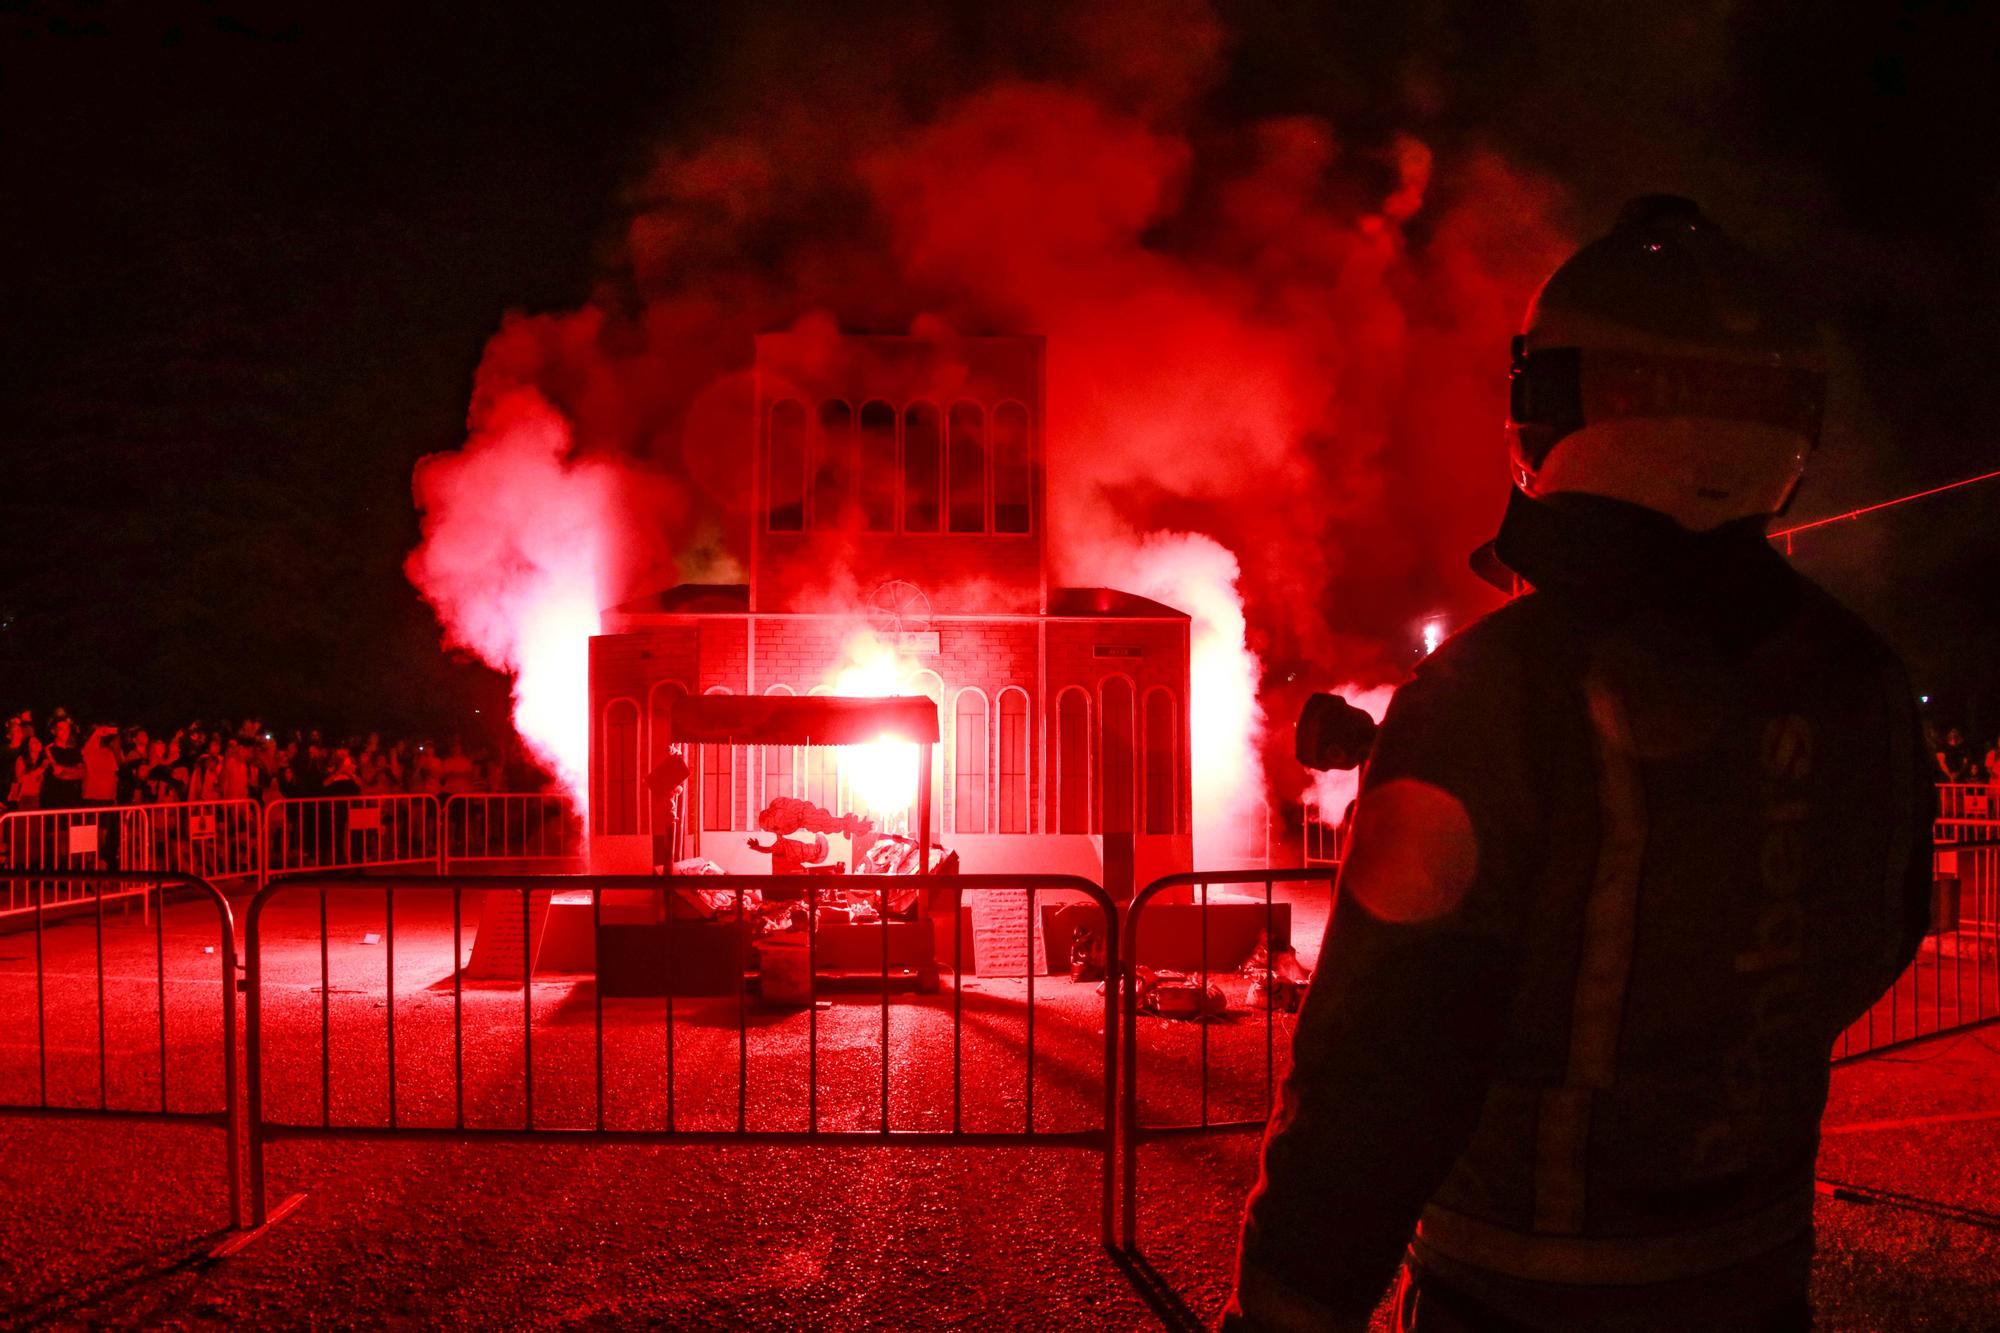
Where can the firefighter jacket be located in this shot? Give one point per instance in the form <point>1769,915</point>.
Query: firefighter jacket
<point>1593,1085</point>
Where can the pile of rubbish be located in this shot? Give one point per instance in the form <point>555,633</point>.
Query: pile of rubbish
<point>1277,981</point>
<point>1280,985</point>
<point>827,897</point>
<point>894,854</point>
<point>1172,994</point>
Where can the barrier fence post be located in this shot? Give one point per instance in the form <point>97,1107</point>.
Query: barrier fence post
<point>159,1107</point>
<point>1114,973</point>
<point>1093,1124</point>
<point>253,1056</point>
<point>1128,1070</point>
<point>1135,1134</point>
<point>233,1117</point>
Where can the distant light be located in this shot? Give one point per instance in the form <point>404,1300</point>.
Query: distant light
<point>1923,698</point>
<point>1433,634</point>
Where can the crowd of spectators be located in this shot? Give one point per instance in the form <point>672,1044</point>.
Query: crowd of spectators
<point>1959,761</point>
<point>60,764</point>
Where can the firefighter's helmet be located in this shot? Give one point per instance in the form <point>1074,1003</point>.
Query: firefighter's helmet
<point>1662,365</point>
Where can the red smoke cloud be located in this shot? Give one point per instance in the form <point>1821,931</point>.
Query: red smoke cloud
<point>1276,361</point>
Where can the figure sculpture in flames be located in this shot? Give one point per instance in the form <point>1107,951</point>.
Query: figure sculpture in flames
<point>786,815</point>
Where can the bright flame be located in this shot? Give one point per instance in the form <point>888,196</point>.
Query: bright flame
<point>881,775</point>
<point>552,677</point>
<point>1433,635</point>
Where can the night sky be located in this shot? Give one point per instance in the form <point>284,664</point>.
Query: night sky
<point>253,252</point>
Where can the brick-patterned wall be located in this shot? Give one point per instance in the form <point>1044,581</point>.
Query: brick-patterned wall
<point>962,575</point>
<point>1161,660</point>
<point>628,666</point>
<point>800,654</point>
<point>724,664</point>
<point>991,655</point>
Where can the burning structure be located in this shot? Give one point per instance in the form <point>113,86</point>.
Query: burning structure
<point>1270,408</point>
<point>899,545</point>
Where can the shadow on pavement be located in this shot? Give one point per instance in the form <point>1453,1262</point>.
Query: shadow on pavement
<point>1159,1295</point>
<point>1848,1192</point>
<point>76,1299</point>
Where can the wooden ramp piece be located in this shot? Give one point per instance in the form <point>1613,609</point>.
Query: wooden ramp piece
<point>500,950</point>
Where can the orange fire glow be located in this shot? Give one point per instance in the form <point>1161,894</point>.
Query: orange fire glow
<point>881,777</point>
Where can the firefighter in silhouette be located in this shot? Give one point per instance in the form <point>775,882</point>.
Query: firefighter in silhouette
<point>1630,853</point>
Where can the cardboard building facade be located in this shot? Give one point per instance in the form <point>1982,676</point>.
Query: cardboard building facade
<point>899,505</point>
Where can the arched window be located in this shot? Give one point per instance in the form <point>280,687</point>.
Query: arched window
<point>968,468</point>
<point>1163,749</point>
<point>1013,470</point>
<point>1115,754</point>
<point>1013,761</point>
<point>928,683</point>
<point>621,767</point>
<point>878,467</point>
<point>923,468</point>
<point>660,701</point>
<point>968,787</point>
<point>718,782</point>
<point>779,777</point>
<point>1072,761</point>
<point>822,765</point>
<point>833,466</point>
<point>785,487</point>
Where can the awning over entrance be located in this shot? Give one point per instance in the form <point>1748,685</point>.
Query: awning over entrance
<point>735,719</point>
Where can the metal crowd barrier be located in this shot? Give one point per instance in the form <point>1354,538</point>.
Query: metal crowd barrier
<point>54,994</point>
<point>315,834</point>
<point>1967,800</point>
<point>1955,981</point>
<point>515,828</point>
<point>449,1121</point>
<point>68,847</point>
<point>215,840</point>
<point>1136,1131</point>
<point>221,840</point>
<point>1321,846</point>
<point>1953,984</point>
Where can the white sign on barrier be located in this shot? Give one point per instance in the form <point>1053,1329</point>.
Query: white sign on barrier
<point>201,826</point>
<point>364,819</point>
<point>83,839</point>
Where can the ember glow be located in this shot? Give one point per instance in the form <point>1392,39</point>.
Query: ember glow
<point>882,776</point>
<point>1272,376</point>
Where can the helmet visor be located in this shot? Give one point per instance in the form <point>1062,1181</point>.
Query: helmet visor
<point>1558,390</point>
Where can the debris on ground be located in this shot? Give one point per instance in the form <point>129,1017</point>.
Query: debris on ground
<point>1169,994</point>
<point>1277,980</point>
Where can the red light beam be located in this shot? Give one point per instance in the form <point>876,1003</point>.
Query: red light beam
<point>1788,533</point>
